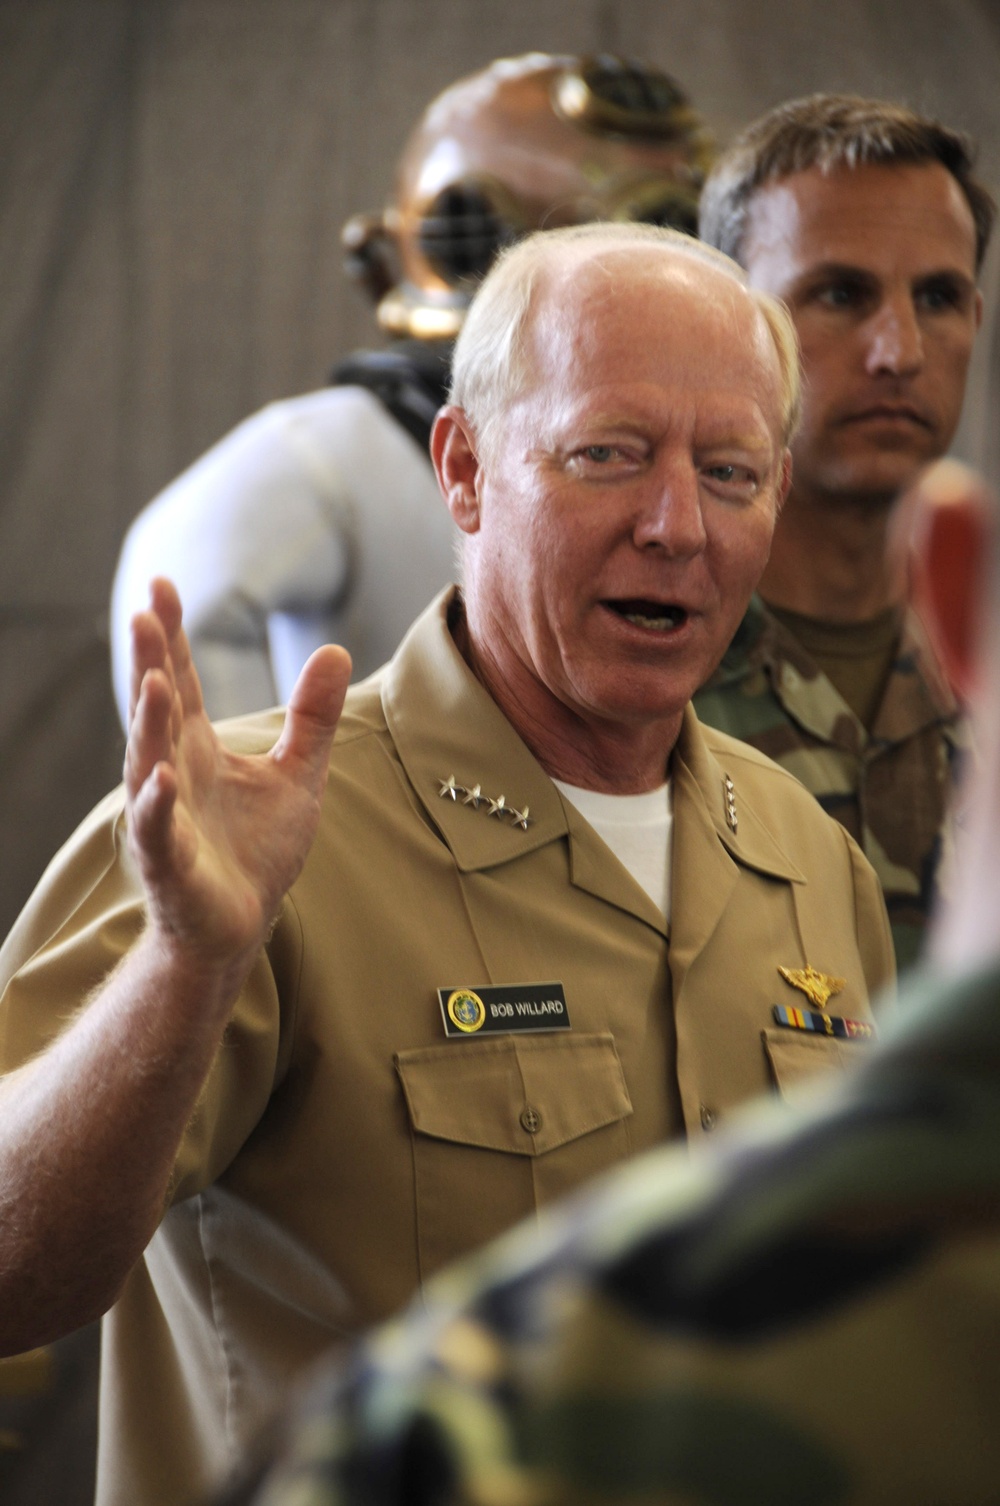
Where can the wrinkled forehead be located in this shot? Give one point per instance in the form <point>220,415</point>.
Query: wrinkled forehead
<point>644,315</point>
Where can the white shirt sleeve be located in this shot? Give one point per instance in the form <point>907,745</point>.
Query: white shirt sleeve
<point>273,540</point>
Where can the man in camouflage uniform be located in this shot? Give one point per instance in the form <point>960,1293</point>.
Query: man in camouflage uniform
<point>866,220</point>
<point>803,1312</point>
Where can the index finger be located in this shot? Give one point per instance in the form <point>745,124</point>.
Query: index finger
<point>159,641</point>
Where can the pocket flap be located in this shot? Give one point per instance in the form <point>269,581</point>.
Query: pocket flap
<point>797,1057</point>
<point>524,1096</point>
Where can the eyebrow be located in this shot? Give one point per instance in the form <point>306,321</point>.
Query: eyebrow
<point>836,269</point>
<point>830,270</point>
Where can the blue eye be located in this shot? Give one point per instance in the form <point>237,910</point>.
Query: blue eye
<point>732,480</point>
<point>837,296</point>
<point>938,296</point>
<point>599,452</point>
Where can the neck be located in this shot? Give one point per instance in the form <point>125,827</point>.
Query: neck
<point>610,757</point>
<point>830,559</point>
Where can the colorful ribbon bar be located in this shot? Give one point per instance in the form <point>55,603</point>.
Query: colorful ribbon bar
<point>823,1024</point>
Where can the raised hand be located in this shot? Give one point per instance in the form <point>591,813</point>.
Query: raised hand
<point>219,837</point>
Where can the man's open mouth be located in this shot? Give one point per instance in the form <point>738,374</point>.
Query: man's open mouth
<point>658,615</point>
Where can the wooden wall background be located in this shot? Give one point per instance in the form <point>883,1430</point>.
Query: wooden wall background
<point>173,177</point>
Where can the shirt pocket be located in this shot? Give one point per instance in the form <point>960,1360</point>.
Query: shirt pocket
<point>797,1059</point>
<point>500,1127</point>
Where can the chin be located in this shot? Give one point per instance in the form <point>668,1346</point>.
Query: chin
<point>877,482</point>
<point>864,470</point>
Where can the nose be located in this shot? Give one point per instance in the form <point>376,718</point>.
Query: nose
<point>895,339</point>
<point>671,515</point>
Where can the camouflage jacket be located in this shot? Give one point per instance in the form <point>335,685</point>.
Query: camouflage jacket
<point>801,1312</point>
<point>889,788</point>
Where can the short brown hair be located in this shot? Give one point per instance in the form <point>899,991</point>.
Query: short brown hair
<point>829,131</point>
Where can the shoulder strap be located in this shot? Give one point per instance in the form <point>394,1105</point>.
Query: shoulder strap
<point>410,380</point>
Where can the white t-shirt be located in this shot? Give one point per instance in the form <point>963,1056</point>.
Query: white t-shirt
<point>637,828</point>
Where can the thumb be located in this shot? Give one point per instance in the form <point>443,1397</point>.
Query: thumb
<point>313,711</point>
<point>950,542</point>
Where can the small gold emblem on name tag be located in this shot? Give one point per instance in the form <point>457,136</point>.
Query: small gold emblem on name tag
<point>466,1010</point>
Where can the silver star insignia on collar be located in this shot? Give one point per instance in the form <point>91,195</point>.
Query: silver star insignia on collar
<point>732,820</point>
<point>473,795</point>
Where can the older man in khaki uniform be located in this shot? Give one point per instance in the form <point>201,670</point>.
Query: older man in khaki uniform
<point>350,1024</point>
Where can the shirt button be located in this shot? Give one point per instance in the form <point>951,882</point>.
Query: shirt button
<point>709,1117</point>
<point>531,1120</point>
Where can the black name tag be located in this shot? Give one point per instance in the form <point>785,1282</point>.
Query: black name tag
<point>513,1006</point>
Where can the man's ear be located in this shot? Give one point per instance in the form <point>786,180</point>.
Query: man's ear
<point>456,461</point>
<point>950,552</point>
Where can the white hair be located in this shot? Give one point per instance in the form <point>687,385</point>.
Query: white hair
<point>490,363</point>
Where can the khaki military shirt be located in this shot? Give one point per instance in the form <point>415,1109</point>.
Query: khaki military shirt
<point>889,787</point>
<point>344,1147</point>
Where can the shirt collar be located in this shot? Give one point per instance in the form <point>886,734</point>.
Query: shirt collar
<point>916,693</point>
<point>460,752</point>
<point>702,780</point>
<point>454,741</point>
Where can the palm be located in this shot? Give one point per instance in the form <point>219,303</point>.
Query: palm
<point>219,837</point>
